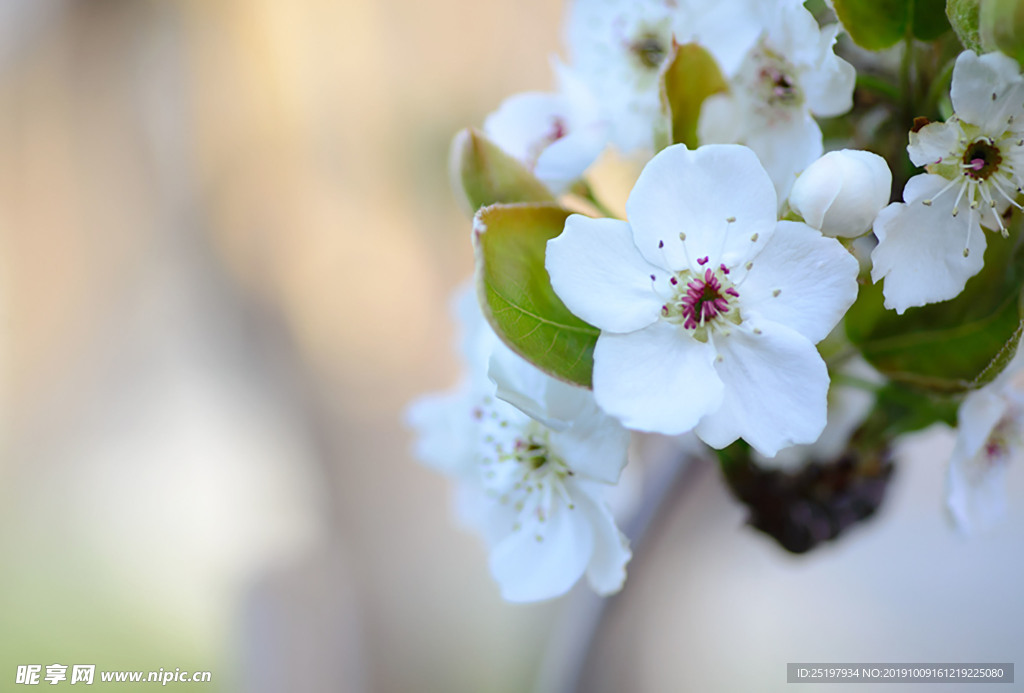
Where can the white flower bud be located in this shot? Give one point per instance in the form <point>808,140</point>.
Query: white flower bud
<point>842,192</point>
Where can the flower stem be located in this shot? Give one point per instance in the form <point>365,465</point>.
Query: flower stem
<point>907,68</point>
<point>938,87</point>
<point>570,654</point>
<point>877,85</point>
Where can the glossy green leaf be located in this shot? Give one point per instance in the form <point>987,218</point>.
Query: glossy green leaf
<point>691,75</point>
<point>951,346</point>
<point>516,295</point>
<point>485,175</point>
<point>879,24</point>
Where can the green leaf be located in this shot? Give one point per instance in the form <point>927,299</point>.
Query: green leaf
<point>874,24</point>
<point>516,295</point>
<point>952,346</point>
<point>690,76</point>
<point>930,21</point>
<point>879,24</point>
<point>963,16</point>
<point>486,175</point>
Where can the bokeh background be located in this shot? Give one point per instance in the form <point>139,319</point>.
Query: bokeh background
<point>227,245</point>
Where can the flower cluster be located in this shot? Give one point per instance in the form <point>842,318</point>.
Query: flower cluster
<point>743,299</point>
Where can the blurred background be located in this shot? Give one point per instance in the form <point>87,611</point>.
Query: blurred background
<point>227,246</point>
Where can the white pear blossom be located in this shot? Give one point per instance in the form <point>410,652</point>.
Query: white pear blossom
<point>990,436</point>
<point>932,243</point>
<point>788,76</point>
<point>535,491</point>
<point>709,307</point>
<point>556,135</point>
<point>841,193</point>
<point>619,49</point>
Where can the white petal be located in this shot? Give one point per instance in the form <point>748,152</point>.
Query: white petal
<point>566,159</point>
<point>606,571</point>
<point>477,511</point>
<point>978,415</point>
<point>721,120</point>
<point>829,86</point>
<point>529,569</point>
<point>933,142</point>
<point>976,492</point>
<point>727,29</point>
<point>695,193</point>
<point>659,379</point>
<point>445,431</point>
<point>848,407</point>
<point>985,90</point>
<point>595,446</point>
<point>477,341</point>
<point>527,388</point>
<point>814,192</point>
<point>786,147</point>
<point>600,276</point>
<point>776,387</point>
<point>524,123</point>
<point>921,248</point>
<point>800,279</point>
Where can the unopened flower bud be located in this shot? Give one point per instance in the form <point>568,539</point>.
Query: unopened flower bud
<point>842,192</point>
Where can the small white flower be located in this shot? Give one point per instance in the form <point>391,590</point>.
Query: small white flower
<point>932,243</point>
<point>990,435</point>
<point>841,193</point>
<point>709,308</point>
<point>536,491</point>
<point>619,48</point>
<point>787,77</point>
<point>555,135</point>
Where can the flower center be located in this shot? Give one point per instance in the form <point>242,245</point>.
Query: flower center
<point>771,81</point>
<point>649,50</point>
<point>519,468</point>
<point>700,301</point>
<point>981,159</point>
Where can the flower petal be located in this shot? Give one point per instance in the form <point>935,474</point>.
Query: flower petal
<point>542,560</point>
<point>530,390</point>
<point>800,279</point>
<point>986,90</point>
<point>786,147</point>
<point>606,571</point>
<point>600,276</point>
<point>979,413</point>
<point>595,446</point>
<point>658,379</point>
<point>934,142</point>
<point>694,193</point>
<point>566,159</point>
<point>829,87</point>
<point>776,387</point>
<point>525,123</point>
<point>445,430</point>
<point>976,491</point>
<point>920,250</point>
